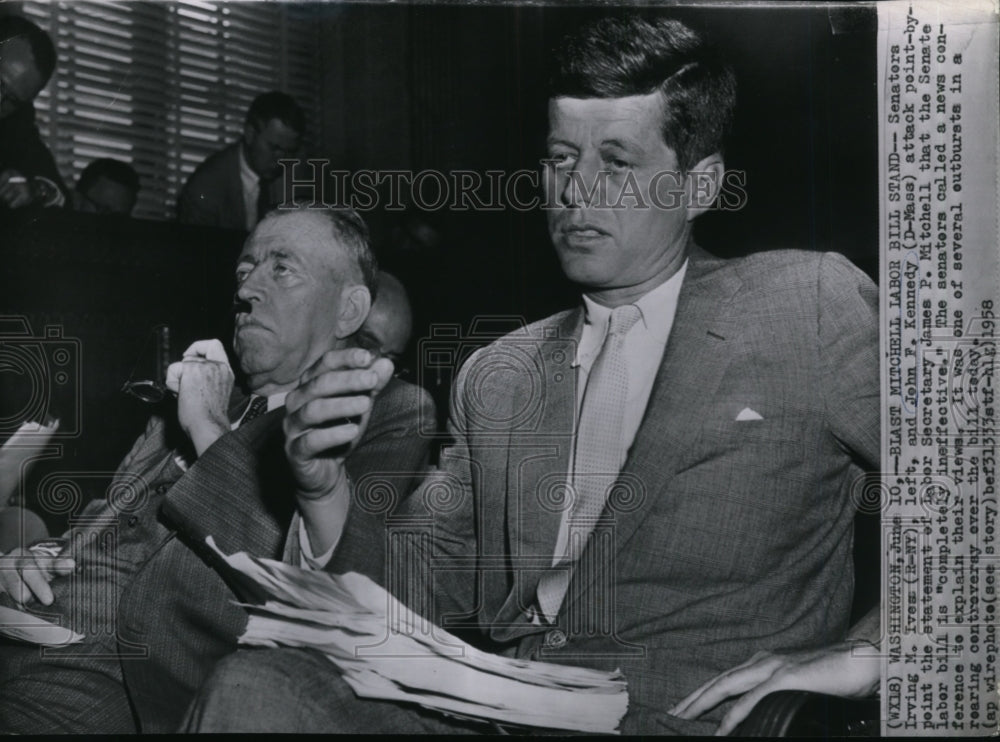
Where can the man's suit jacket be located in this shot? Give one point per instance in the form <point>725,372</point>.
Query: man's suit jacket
<point>213,195</point>
<point>722,538</point>
<point>22,148</point>
<point>155,615</point>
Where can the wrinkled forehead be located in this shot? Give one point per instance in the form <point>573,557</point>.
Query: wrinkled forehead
<point>303,235</point>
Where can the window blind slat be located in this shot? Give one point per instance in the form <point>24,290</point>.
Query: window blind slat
<point>163,85</point>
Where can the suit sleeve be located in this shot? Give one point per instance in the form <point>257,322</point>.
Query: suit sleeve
<point>190,206</point>
<point>384,469</point>
<point>30,156</point>
<point>437,520</point>
<point>848,343</point>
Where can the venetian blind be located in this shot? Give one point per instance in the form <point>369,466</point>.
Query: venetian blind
<point>161,85</point>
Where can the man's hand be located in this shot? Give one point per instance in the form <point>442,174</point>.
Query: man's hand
<point>26,576</point>
<point>203,382</point>
<point>326,416</point>
<point>15,191</point>
<point>849,669</point>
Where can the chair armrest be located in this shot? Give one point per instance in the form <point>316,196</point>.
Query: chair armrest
<point>793,713</point>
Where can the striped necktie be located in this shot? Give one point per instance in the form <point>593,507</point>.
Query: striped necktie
<point>256,408</point>
<point>598,452</point>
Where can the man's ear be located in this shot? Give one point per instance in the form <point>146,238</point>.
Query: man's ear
<point>355,304</point>
<point>703,185</point>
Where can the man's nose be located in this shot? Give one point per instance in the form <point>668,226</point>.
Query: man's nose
<point>250,289</point>
<point>582,186</point>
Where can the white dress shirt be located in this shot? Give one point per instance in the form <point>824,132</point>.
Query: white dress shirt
<point>251,190</point>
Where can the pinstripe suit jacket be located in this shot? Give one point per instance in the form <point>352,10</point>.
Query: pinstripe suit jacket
<point>155,614</point>
<point>722,538</point>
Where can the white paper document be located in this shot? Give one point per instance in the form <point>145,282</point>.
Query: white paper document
<point>384,650</point>
<point>25,627</point>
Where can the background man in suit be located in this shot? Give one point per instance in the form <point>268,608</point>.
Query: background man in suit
<point>237,185</point>
<point>28,173</point>
<point>106,186</point>
<point>154,615</point>
<point>664,484</point>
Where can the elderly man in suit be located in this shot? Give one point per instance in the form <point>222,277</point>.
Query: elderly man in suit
<point>154,614</point>
<point>656,480</point>
<point>235,187</point>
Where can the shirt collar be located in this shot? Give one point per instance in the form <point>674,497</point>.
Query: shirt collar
<point>656,307</point>
<point>276,400</point>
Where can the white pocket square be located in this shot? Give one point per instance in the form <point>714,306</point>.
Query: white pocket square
<point>747,414</point>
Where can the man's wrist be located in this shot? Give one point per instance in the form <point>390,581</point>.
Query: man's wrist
<point>325,516</point>
<point>331,493</point>
<point>204,435</point>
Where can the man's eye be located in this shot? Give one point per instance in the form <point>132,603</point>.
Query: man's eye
<point>557,159</point>
<point>281,269</point>
<point>618,164</point>
<point>241,275</point>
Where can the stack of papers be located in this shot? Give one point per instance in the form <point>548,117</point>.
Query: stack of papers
<point>386,651</point>
<point>25,627</point>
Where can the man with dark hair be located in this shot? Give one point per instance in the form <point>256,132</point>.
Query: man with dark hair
<point>28,173</point>
<point>106,186</point>
<point>135,577</point>
<point>237,185</point>
<point>663,485</point>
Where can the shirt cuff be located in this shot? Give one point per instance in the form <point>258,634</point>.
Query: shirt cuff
<point>306,558</point>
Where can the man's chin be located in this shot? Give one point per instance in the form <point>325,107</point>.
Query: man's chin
<point>582,270</point>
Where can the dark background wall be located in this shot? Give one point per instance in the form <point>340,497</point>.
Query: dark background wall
<point>452,87</point>
<point>459,87</point>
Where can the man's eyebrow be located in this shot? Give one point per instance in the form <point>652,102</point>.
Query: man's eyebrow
<point>282,255</point>
<point>625,144</point>
<point>555,140</point>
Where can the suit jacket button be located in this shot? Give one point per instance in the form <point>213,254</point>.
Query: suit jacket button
<point>555,639</point>
<point>161,489</point>
<point>132,520</point>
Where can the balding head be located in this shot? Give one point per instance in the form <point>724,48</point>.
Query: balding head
<point>390,322</point>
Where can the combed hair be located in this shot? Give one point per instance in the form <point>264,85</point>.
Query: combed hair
<point>105,167</point>
<point>276,105</point>
<point>616,57</point>
<point>42,49</point>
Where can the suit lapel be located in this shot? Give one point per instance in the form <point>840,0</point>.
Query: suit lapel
<point>697,355</point>
<point>538,461</point>
<point>537,466</point>
<point>234,193</point>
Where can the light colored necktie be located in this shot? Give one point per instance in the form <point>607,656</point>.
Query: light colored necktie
<point>598,452</point>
